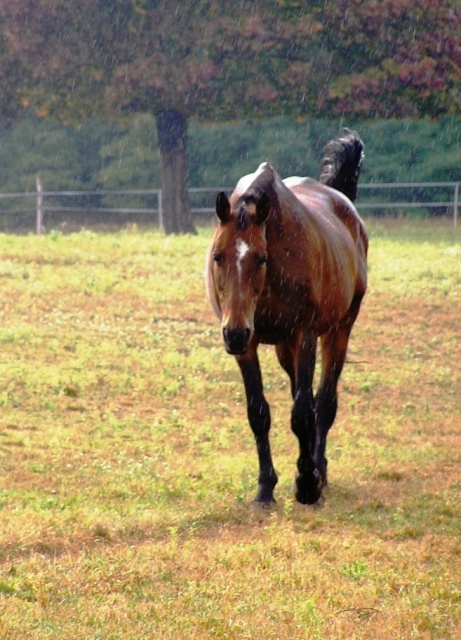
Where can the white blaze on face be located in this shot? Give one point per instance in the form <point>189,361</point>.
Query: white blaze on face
<point>242,250</point>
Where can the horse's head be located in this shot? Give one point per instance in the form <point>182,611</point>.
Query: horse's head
<point>239,256</point>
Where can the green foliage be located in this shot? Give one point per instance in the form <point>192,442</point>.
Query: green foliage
<point>395,150</point>
<point>65,157</point>
<point>221,154</point>
<point>38,147</point>
<point>124,154</point>
<point>412,150</point>
<point>130,160</point>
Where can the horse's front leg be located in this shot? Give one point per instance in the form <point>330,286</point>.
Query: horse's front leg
<point>260,422</point>
<point>308,480</point>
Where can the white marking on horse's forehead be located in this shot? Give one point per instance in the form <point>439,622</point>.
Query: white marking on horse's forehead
<point>242,249</point>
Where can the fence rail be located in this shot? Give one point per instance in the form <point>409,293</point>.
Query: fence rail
<point>372,196</point>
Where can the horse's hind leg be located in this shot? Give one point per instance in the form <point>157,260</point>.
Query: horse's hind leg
<point>260,421</point>
<point>334,349</point>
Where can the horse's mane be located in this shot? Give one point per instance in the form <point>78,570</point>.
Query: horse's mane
<point>264,185</point>
<point>342,160</point>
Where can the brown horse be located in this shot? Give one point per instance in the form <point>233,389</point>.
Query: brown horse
<point>287,266</point>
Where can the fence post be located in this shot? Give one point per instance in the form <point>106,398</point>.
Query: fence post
<point>39,205</point>
<point>160,208</point>
<point>455,205</point>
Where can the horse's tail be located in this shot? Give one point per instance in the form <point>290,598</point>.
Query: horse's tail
<point>342,160</point>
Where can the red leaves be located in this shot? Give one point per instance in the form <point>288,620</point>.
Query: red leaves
<point>253,28</point>
<point>262,93</point>
<point>422,75</point>
<point>354,55</point>
<point>411,61</point>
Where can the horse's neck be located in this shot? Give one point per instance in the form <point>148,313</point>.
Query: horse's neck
<point>293,215</point>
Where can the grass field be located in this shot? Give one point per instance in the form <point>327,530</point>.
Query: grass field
<point>128,468</point>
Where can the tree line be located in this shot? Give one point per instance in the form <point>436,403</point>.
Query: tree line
<point>125,154</point>
<point>218,61</point>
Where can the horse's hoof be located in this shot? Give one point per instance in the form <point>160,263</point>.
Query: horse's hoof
<point>261,510</point>
<point>257,503</point>
<point>312,498</point>
<point>307,492</point>
<point>262,507</point>
<point>265,495</point>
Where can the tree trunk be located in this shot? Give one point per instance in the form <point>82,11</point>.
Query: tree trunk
<point>172,136</point>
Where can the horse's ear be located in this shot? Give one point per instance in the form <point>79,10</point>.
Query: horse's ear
<point>262,208</point>
<point>223,207</point>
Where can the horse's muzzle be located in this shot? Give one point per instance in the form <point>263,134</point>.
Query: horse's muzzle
<point>236,340</point>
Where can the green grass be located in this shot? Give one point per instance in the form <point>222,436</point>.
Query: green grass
<point>128,468</point>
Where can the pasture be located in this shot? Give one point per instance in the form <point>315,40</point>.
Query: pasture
<point>128,467</point>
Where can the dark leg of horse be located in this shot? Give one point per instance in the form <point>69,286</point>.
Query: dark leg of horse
<point>285,357</point>
<point>260,422</point>
<point>334,349</point>
<point>299,363</point>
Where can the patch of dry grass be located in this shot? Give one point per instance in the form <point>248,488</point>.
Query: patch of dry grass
<point>128,467</point>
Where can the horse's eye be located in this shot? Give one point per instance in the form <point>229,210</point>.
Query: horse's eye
<point>218,258</point>
<point>261,260</point>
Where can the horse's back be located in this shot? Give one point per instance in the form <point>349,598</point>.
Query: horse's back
<point>332,218</point>
<point>325,201</point>
<point>334,203</point>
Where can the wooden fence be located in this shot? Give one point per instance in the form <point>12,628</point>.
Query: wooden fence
<point>375,198</point>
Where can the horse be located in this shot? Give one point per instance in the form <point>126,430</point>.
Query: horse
<point>287,266</point>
